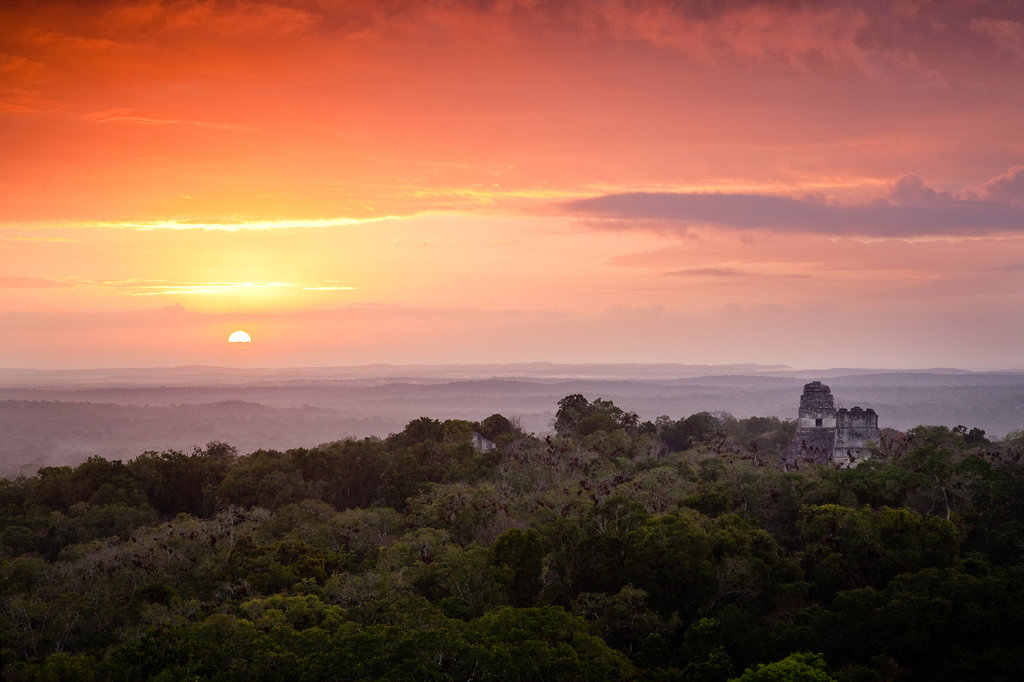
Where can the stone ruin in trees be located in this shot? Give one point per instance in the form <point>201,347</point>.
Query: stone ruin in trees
<point>826,435</point>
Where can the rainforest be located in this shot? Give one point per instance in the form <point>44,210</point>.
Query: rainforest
<point>611,548</point>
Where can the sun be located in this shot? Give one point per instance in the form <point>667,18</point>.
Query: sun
<point>239,337</point>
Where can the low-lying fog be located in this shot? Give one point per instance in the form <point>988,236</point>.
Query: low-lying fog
<point>50,418</point>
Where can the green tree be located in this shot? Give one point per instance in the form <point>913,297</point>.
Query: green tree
<point>421,430</point>
<point>571,409</point>
<point>545,643</point>
<point>576,416</point>
<point>849,548</point>
<point>496,426</point>
<point>349,472</point>
<point>670,557</point>
<point>265,478</point>
<point>800,667</point>
<point>685,433</point>
<point>522,551</point>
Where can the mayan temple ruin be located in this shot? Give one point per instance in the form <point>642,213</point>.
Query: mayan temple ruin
<point>826,435</point>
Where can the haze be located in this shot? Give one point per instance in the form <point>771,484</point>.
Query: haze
<point>55,418</point>
<point>808,184</point>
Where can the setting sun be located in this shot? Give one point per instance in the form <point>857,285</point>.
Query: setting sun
<point>239,337</point>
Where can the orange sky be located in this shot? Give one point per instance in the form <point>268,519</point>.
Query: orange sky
<point>811,184</point>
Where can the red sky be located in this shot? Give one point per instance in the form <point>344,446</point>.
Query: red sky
<point>811,184</point>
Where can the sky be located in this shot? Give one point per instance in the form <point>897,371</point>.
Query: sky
<point>441,181</point>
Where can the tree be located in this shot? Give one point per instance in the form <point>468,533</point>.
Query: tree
<point>265,478</point>
<point>421,430</point>
<point>523,552</point>
<point>800,667</point>
<point>670,558</point>
<point>571,409</point>
<point>496,426</point>
<point>576,416</point>
<point>545,643</point>
<point>849,548</point>
<point>350,471</point>
<point>685,433</point>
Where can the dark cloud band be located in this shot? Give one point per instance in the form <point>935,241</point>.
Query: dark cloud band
<point>813,215</point>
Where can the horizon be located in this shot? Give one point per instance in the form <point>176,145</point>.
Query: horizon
<point>621,367</point>
<point>442,372</point>
<point>58,417</point>
<point>463,183</point>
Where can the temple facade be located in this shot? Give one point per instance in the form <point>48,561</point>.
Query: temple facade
<point>826,435</point>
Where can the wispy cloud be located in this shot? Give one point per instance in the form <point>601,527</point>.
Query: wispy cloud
<point>141,287</point>
<point>31,283</point>
<point>727,273</point>
<point>194,288</point>
<point>25,101</point>
<point>235,226</point>
<point>36,239</point>
<point>223,224</point>
<point>1006,34</point>
<point>882,40</point>
<point>173,315</point>
<point>134,117</point>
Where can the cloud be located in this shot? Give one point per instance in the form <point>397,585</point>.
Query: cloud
<point>1006,34</point>
<point>139,118</point>
<point>792,34</point>
<point>218,224</point>
<point>191,288</point>
<point>143,287</point>
<point>1012,267</point>
<point>910,209</point>
<point>31,283</point>
<point>1008,187</point>
<point>159,287</point>
<point>27,102</point>
<point>260,20</point>
<point>173,315</point>
<point>79,26</point>
<point>875,37</point>
<point>910,190</point>
<point>239,225</point>
<point>918,42</point>
<point>16,65</point>
<point>20,83</point>
<point>728,273</point>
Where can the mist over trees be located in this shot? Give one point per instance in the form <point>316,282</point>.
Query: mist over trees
<point>614,548</point>
<point>63,418</point>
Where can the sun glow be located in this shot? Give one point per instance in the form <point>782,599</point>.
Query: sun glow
<point>188,288</point>
<point>239,337</point>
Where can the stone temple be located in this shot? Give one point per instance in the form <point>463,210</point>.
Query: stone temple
<point>825,435</point>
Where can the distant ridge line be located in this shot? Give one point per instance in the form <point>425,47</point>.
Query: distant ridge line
<point>191,375</point>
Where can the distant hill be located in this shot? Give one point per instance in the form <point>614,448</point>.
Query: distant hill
<point>62,417</point>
